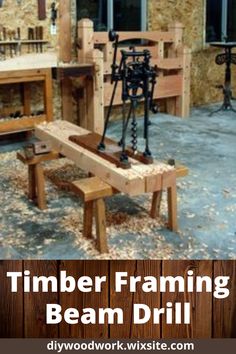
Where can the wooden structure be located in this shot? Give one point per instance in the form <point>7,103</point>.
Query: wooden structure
<point>110,179</point>
<point>137,180</point>
<point>93,191</point>
<point>25,78</point>
<point>36,176</point>
<point>168,54</point>
<point>21,313</point>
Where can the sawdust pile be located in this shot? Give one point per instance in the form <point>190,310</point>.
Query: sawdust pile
<point>119,225</point>
<point>27,232</point>
<point>62,176</point>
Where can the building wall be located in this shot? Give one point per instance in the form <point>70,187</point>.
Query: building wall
<point>205,74</point>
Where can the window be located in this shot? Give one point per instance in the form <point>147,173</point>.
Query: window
<point>120,15</point>
<point>220,20</point>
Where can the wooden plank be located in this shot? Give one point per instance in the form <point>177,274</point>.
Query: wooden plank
<point>16,80</point>
<point>167,86</point>
<point>113,150</point>
<point>148,330</point>
<point>21,124</point>
<point>27,74</point>
<point>48,96</point>
<point>162,64</point>
<point>96,300</point>
<point>201,303</point>
<point>29,62</point>
<point>35,303</point>
<point>92,188</point>
<point>53,155</point>
<point>65,45</point>
<point>41,10</point>
<point>123,300</point>
<point>11,304</point>
<point>168,63</point>
<point>74,299</point>
<point>224,319</point>
<point>154,36</point>
<point>72,71</point>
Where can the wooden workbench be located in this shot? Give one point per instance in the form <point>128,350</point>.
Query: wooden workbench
<point>137,180</point>
<point>24,70</point>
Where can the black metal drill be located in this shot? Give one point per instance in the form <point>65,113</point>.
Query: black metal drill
<point>138,80</point>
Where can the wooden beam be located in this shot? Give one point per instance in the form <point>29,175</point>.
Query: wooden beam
<point>154,36</point>
<point>137,180</point>
<point>70,70</point>
<point>65,45</point>
<point>41,10</point>
<point>168,86</point>
<point>67,103</point>
<point>65,56</point>
<point>22,124</point>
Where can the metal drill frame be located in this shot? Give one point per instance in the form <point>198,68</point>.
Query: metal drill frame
<point>138,80</point>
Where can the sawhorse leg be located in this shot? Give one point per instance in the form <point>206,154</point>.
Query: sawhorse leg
<point>32,182</point>
<point>88,220</point>
<point>100,215</point>
<point>172,208</point>
<point>40,186</point>
<point>156,204</point>
<point>171,203</point>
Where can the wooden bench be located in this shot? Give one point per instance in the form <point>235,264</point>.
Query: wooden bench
<point>36,181</point>
<point>93,191</point>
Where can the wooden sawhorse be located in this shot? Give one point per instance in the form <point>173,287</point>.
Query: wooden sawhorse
<point>36,181</point>
<point>93,191</point>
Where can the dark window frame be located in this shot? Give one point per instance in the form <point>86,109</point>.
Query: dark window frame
<point>224,22</point>
<point>110,15</point>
